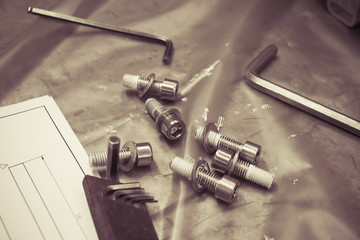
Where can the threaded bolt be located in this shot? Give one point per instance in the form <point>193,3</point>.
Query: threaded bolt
<point>130,154</point>
<point>167,122</point>
<point>229,163</point>
<point>198,172</point>
<point>166,89</point>
<point>212,140</point>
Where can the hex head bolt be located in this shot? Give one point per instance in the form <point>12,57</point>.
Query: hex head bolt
<point>166,89</point>
<point>131,154</point>
<point>229,163</point>
<point>212,140</point>
<point>198,172</point>
<point>167,121</point>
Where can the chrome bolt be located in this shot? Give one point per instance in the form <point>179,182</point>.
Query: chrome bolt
<point>167,121</point>
<point>166,89</point>
<point>212,140</point>
<point>198,172</point>
<point>229,163</point>
<point>130,154</point>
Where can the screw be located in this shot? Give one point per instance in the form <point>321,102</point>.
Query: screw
<point>199,174</point>
<point>212,140</point>
<point>166,89</point>
<point>131,153</point>
<point>230,164</point>
<point>167,121</point>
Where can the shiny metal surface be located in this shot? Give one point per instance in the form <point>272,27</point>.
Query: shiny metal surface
<point>149,37</point>
<point>317,165</point>
<point>292,98</point>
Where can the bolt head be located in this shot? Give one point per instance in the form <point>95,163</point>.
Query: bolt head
<point>227,188</point>
<point>170,124</point>
<point>250,152</point>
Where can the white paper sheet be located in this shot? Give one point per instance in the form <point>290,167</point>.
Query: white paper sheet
<point>42,165</point>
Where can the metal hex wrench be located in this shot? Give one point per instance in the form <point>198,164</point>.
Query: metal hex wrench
<point>327,114</point>
<point>145,36</point>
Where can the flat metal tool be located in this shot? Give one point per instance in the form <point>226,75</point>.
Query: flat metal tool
<point>118,209</point>
<point>140,35</point>
<point>318,110</point>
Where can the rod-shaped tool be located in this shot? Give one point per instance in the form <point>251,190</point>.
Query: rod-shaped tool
<point>318,110</point>
<point>86,22</point>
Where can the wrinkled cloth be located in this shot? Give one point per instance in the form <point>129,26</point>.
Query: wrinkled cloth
<point>316,192</point>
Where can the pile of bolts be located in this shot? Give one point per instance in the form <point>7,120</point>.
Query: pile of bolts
<point>232,159</point>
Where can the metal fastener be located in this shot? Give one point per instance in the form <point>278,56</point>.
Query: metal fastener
<point>166,89</point>
<point>139,154</point>
<point>167,121</point>
<point>229,163</point>
<point>198,172</point>
<point>212,140</point>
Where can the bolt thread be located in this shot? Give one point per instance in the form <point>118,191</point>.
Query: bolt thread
<point>253,174</point>
<point>155,88</point>
<point>134,81</point>
<point>97,160</point>
<point>154,108</point>
<point>214,138</point>
<point>183,167</point>
<point>229,144</point>
<point>208,179</point>
<point>218,140</point>
<point>199,131</point>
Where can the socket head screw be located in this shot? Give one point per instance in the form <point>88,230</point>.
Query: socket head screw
<point>166,89</point>
<point>167,121</point>
<point>224,187</point>
<point>144,154</point>
<point>229,163</point>
<point>250,152</point>
<point>212,140</point>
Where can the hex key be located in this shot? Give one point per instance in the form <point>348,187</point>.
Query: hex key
<point>254,80</point>
<point>149,37</point>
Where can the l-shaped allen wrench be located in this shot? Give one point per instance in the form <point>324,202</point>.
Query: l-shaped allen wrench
<point>89,23</point>
<point>318,110</point>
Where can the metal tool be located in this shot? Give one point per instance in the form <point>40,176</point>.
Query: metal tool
<point>212,140</point>
<point>166,89</point>
<point>167,121</point>
<point>198,172</point>
<point>118,209</point>
<point>327,114</point>
<point>144,36</point>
